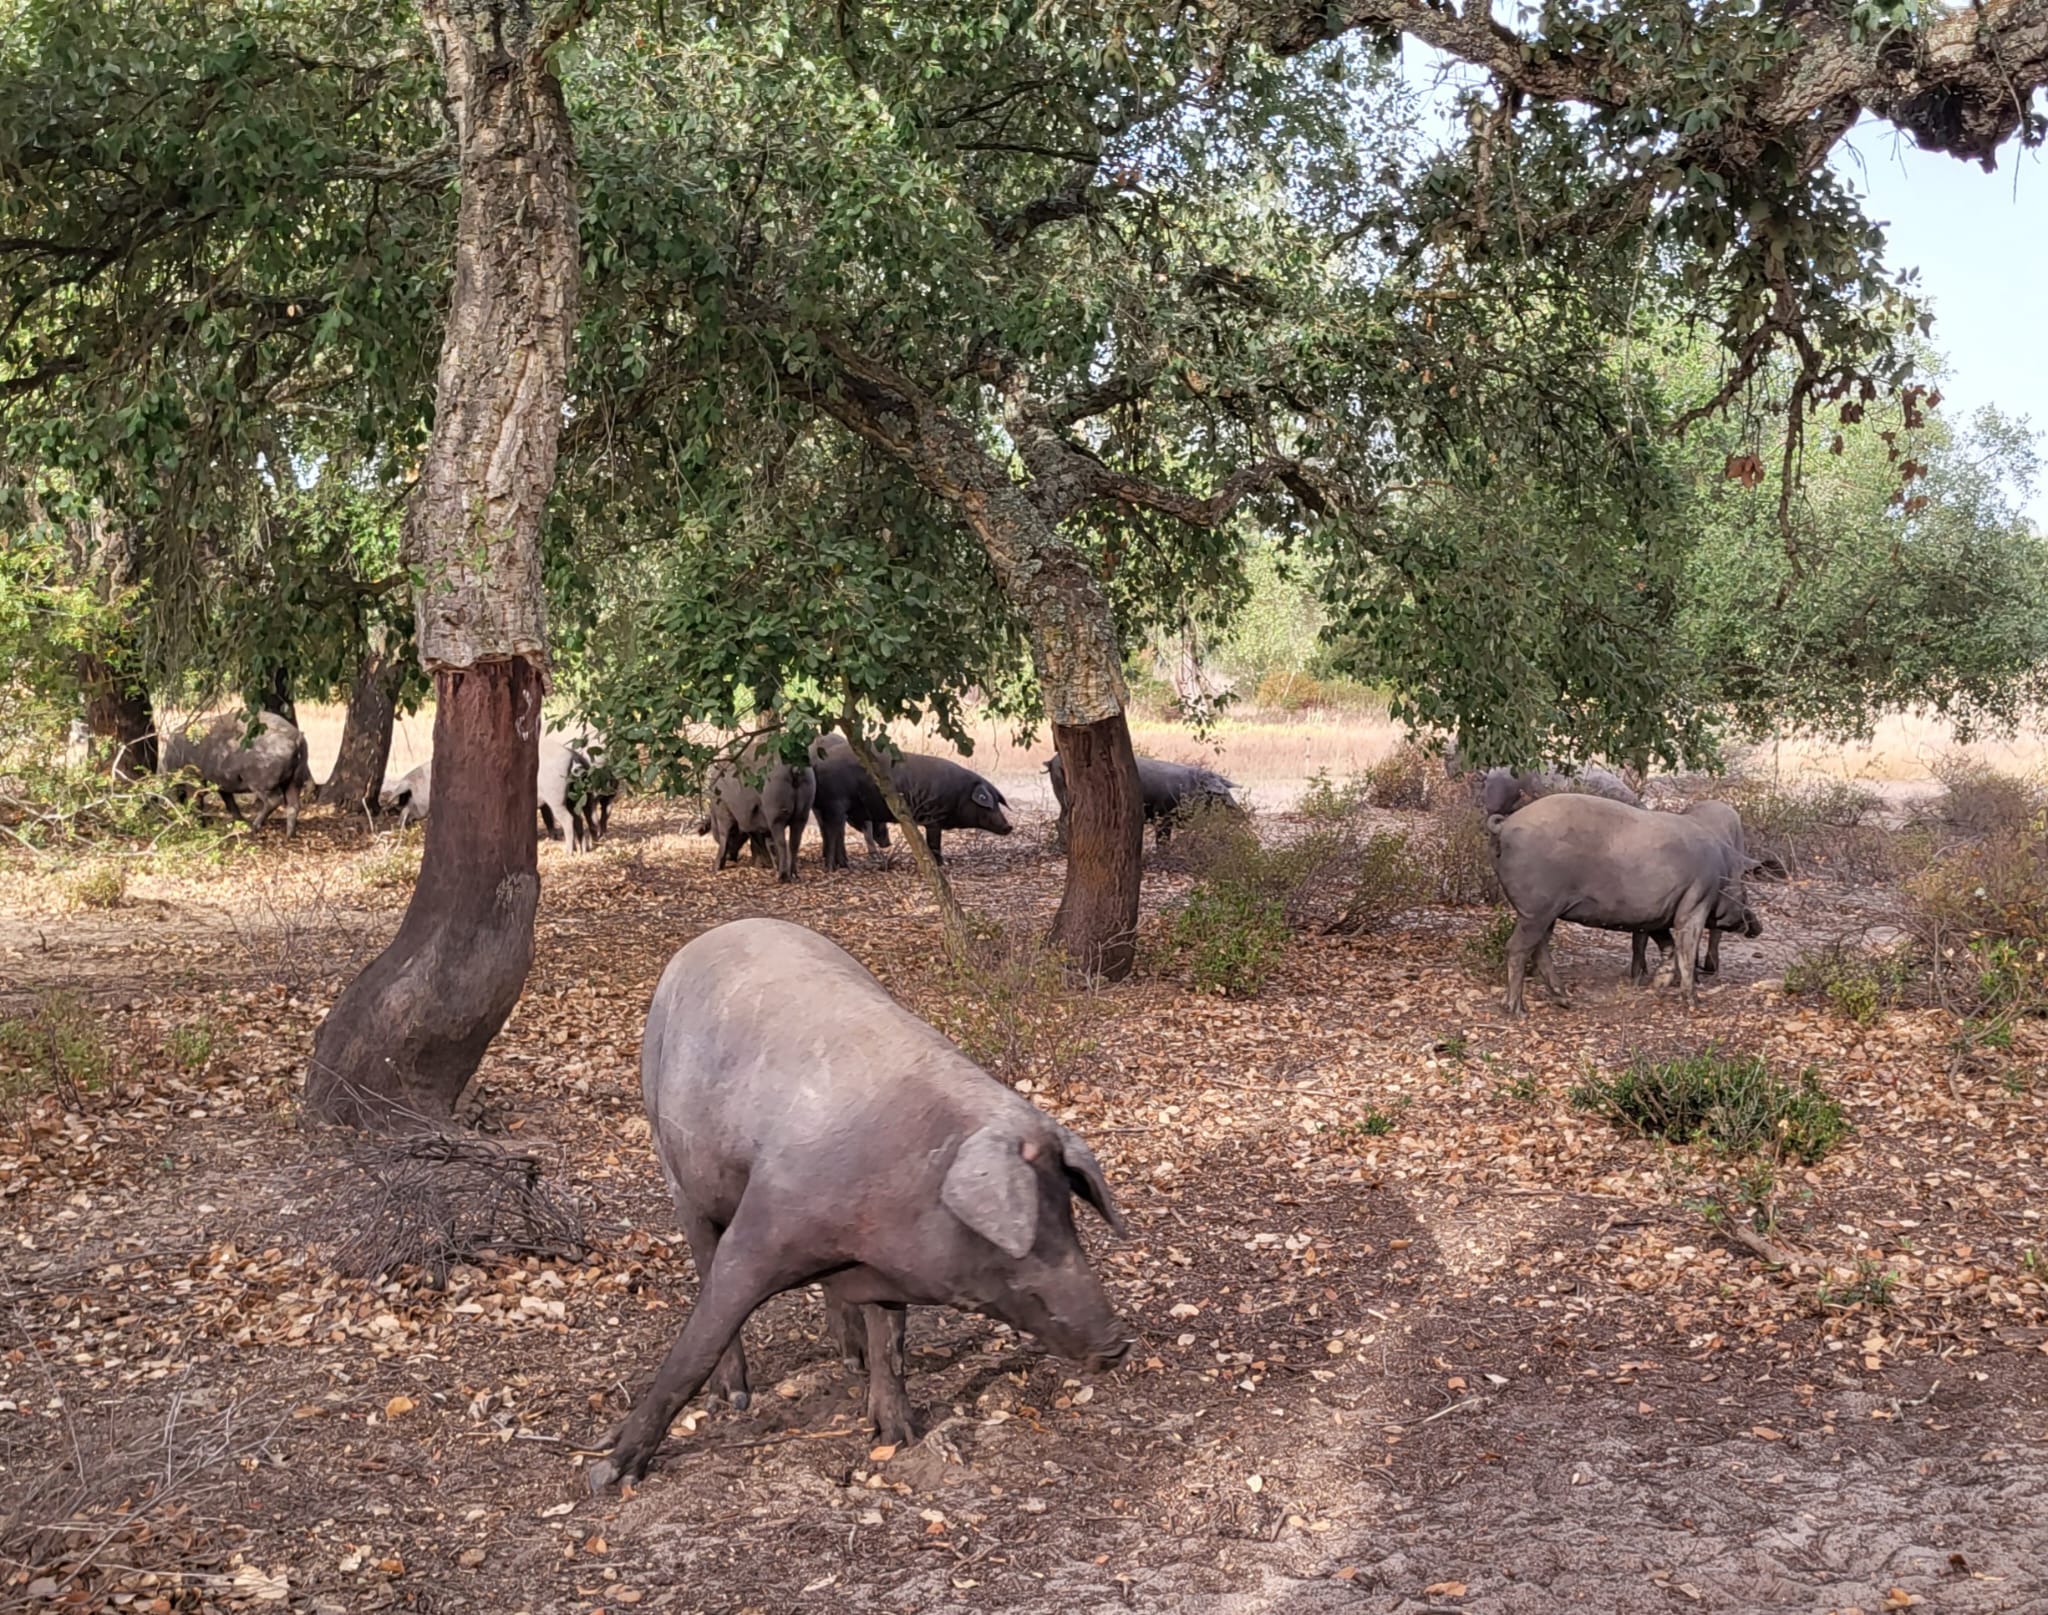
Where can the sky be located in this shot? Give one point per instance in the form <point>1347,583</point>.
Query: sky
<point>1980,243</point>
<point>1978,240</point>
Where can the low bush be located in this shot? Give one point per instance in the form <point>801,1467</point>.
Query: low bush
<point>1014,1005</point>
<point>1486,950</point>
<point>396,864</point>
<point>97,885</point>
<point>1731,1101</point>
<point>1460,854</point>
<point>1410,776</point>
<point>56,1047</point>
<point>1981,910</point>
<point>1978,800</point>
<point>1231,935</point>
<point>1328,801</point>
<point>1859,983</point>
<point>190,1046</point>
<point>1813,827</point>
<point>1283,690</point>
<point>1386,883</point>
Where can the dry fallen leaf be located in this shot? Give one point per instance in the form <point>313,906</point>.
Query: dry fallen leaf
<point>881,1455</point>
<point>398,1406</point>
<point>1445,1589</point>
<point>1764,1432</point>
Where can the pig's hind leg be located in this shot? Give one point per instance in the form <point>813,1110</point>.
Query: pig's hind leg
<point>729,1378</point>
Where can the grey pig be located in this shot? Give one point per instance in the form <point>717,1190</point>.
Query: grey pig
<point>1726,823</point>
<point>845,796</point>
<point>411,793</point>
<point>1168,789</point>
<point>811,1130</point>
<point>1503,790</point>
<point>271,766</point>
<point>1620,868</point>
<point>942,795</point>
<point>758,797</point>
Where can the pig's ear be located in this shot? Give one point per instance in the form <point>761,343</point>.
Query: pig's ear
<point>985,796</point>
<point>1084,1173</point>
<point>992,1188</point>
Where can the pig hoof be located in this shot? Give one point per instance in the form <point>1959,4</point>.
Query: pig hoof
<point>739,1399</point>
<point>603,1475</point>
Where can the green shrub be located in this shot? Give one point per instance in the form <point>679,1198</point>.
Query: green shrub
<point>1859,985</point>
<point>98,885</point>
<point>1732,1101</point>
<point>1486,950</point>
<point>56,1047</point>
<point>1871,1286</point>
<point>1232,936</point>
<point>1323,799</point>
<point>190,1046</point>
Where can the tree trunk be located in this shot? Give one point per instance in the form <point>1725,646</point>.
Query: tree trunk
<point>1073,644</point>
<point>279,700</point>
<point>117,712</point>
<point>359,766</point>
<point>404,1039</point>
<point>1097,921</point>
<point>407,1035</point>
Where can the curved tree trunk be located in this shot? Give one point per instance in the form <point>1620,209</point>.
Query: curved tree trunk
<point>404,1039</point>
<point>1072,629</point>
<point>359,766</point>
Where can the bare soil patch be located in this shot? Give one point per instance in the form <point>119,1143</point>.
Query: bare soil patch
<point>1416,1333</point>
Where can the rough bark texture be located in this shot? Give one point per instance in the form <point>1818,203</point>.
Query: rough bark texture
<point>365,752</point>
<point>1072,628</point>
<point>117,712</point>
<point>473,524</point>
<point>1097,921</point>
<point>1963,82</point>
<point>404,1039</point>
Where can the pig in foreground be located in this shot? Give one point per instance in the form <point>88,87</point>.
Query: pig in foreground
<point>756,797</point>
<point>942,795</point>
<point>1504,790</point>
<point>1726,823</point>
<point>845,796</point>
<point>1619,868</point>
<point>1169,789</point>
<point>812,1130</point>
<point>271,766</point>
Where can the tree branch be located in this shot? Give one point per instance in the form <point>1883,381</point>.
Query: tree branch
<point>1962,83</point>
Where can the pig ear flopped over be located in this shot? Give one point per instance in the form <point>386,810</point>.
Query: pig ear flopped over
<point>992,1188</point>
<point>1084,1173</point>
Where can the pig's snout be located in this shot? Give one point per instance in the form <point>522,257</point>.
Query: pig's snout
<point>998,825</point>
<point>1751,925</point>
<point>1102,1362</point>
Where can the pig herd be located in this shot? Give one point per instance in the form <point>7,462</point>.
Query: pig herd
<point>812,1131</point>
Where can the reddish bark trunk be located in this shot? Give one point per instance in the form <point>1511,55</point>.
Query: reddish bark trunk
<point>365,752</point>
<point>403,1040</point>
<point>1097,923</point>
<point>118,714</point>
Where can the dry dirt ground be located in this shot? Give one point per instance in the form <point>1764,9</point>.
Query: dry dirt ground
<point>1416,1334</point>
